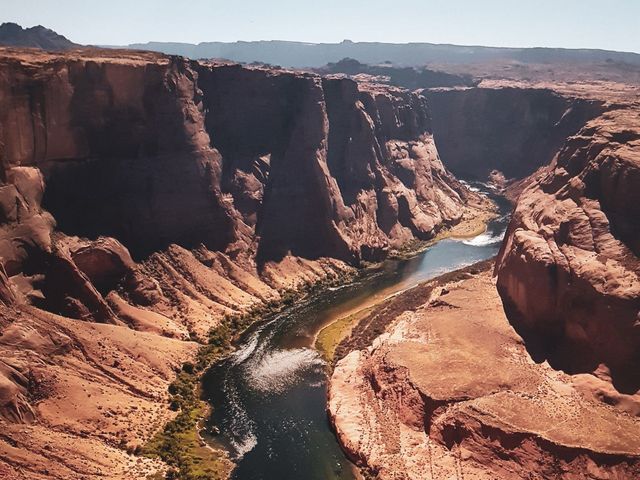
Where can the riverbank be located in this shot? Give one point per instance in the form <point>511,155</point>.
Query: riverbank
<point>373,320</point>
<point>269,396</point>
<point>180,443</point>
<point>474,222</point>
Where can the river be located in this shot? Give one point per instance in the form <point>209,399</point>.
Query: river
<point>269,396</point>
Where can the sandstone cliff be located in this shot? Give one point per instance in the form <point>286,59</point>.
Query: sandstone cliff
<point>251,163</point>
<point>157,194</point>
<point>514,130</point>
<point>453,388</point>
<point>568,270</point>
<point>449,391</point>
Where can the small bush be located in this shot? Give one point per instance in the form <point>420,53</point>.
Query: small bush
<point>187,367</point>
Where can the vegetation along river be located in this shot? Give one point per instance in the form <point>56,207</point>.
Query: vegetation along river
<point>269,396</point>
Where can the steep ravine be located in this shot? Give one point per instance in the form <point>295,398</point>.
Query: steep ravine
<point>146,200</point>
<point>509,129</point>
<point>533,372</point>
<point>269,396</point>
<point>569,271</point>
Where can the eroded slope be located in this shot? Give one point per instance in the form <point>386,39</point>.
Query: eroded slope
<point>569,270</point>
<point>450,391</point>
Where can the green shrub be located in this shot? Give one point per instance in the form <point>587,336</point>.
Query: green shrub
<point>187,367</point>
<point>178,444</point>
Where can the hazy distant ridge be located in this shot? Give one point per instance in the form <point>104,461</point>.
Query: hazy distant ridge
<point>299,54</point>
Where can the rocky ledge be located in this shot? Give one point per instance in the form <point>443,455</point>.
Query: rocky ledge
<point>535,370</point>
<point>450,391</point>
<point>568,271</point>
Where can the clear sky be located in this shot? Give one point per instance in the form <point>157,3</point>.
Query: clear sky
<point>607,24</point>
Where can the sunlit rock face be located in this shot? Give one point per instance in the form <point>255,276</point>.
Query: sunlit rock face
<point>327,167</point>
<point>255,164</point>
<point>450,388</point>
<point>535,367</point>
<point>144,199</point>
<point>568,270</point>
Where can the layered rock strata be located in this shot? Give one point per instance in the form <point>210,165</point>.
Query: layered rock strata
<point>252,164</point>
<point>514,130</point>
<point>568,271</point>
<point>151,193</point>
<point>456,389</point>
<point>450,391</point>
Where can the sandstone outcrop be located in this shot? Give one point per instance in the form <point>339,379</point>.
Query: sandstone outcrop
<point>454,388</point>
<point>144,199</point>
<point>76,398</point>
<point>327,167</point>
<point>568,270</point>
<point>253,163</point>
<point>450,391</point>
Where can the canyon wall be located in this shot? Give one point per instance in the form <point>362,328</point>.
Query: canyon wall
<point>156,194</point>
<point>327,167</point>
<point>144,199</point>
<point>253,163</point>
<point>512,130</point>
<point>449,390</point>
<point>531,371</point>
<point>568,271</point>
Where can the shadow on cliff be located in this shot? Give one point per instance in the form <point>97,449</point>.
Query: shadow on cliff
<point>570,357</point>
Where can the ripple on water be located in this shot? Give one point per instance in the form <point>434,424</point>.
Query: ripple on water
<point>275,371</point>
<point>245,351</point>
<point>484,240</point>
<point>241,429</point>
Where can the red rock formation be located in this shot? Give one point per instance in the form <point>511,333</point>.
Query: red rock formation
<point>449,388</point>
<point>125,153</point>
<point>182,193</point>
<point>322,167</point>
<point>105,261</point>
<point>513,130</point>
<point>75,397</point>
<point>450,391</point>
<point>568,270</point>
<point>7,297</point>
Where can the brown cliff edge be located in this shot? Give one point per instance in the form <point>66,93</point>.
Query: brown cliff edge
<point>449,390</point>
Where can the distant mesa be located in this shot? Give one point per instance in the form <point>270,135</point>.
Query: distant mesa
<point>290,54</point>
<point>13,35</point>
<point>315,55</point>
<point>406,77</point>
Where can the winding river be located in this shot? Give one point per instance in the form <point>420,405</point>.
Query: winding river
<point>269,396</point>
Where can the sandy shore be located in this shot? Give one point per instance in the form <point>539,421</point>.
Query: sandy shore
<point>474,222</point>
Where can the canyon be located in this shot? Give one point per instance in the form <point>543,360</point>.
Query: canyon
<point>147,198</point>
<point>149,202</point>
<point>526,368</point>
